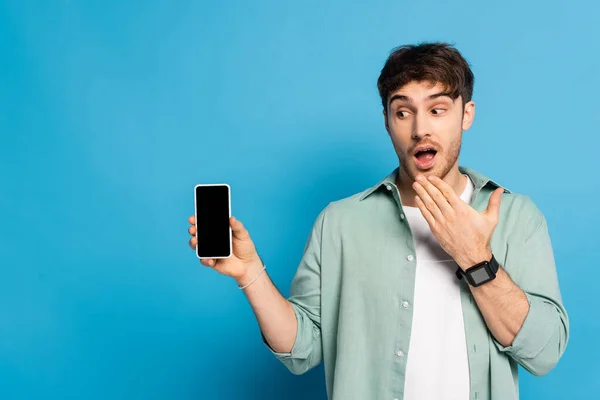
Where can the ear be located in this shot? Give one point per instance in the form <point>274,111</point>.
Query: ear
<point>468,115</point>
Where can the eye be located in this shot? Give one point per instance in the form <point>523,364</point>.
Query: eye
<point>438,111</point>
<point>402,114</point>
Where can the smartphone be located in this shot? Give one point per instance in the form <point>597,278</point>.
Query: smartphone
<point>212,211</point>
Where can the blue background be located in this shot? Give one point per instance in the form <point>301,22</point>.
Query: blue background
<point>111,112</point>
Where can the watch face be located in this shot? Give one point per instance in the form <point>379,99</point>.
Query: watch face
<point>480,275</point>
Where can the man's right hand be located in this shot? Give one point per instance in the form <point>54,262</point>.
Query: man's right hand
<point>244,260</point>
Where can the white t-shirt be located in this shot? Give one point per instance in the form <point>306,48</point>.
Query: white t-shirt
<point>437,364</point>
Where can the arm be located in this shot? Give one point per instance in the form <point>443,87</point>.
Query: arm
<point>503,305</point>
<point>298,344</point>
<point>273,312</point>
<point>527,320</point>
<point>534,333</point>
<point>290,328</point>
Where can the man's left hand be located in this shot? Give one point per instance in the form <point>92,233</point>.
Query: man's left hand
<point>463,232</point>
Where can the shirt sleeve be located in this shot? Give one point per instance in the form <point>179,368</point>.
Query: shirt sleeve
<point>305,298</point>
<point>543,337</point>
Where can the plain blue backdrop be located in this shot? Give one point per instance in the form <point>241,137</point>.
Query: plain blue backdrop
<point>111,112</point>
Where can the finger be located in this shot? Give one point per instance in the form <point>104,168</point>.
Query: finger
<point>193,242</point>
<point>426,213</point>
<point>493,208</point>
<point>437,197</point>
<point>449,194</point>
<point>238,229</point>
<point>192,220</point>
<point>208,262</point>
<point>192,230</point>
<point>429,203</point>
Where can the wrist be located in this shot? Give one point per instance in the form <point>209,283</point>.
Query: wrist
<point>254,268</point>
<point>475,258</point>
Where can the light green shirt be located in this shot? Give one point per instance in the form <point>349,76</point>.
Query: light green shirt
<point>358,267</point>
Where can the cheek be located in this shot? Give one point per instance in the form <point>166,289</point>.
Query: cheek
<point>400,133</point>
<point>400,143</point>
<point>448,131</point>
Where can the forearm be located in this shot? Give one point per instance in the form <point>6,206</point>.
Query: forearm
<point>274,313</point>
<point>503,305</point>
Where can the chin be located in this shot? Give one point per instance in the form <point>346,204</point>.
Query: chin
<point>438,170</point>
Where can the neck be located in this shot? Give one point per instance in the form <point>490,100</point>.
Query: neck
<point>454,178</point>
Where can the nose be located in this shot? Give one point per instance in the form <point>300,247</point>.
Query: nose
<point>421,127</point>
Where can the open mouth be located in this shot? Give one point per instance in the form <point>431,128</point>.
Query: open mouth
<point>425,157</point>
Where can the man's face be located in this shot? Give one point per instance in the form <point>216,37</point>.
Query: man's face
<point>425,126</point>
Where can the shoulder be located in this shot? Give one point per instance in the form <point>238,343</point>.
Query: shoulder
<point>522,207</point>
<point>355,212</point>
<point>355,204</point>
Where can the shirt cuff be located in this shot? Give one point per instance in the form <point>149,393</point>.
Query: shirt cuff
<point>303,342</point>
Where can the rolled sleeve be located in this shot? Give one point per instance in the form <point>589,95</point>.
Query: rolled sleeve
<point>542,339</point>
<point>306,352</point>
<point>538,344</point>
<point>305,298</point>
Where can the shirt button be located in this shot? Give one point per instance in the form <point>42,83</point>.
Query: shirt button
<point>405,304</point>
<point>388,187</point>
<point>401,216</point>
<point>400,353</point>
<point>410,257</point>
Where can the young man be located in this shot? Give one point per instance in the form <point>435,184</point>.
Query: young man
<point>435,283</point>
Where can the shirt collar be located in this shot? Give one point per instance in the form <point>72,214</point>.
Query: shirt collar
<point>479,181</point>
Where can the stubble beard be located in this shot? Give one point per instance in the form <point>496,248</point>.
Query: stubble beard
<point>444,163</point>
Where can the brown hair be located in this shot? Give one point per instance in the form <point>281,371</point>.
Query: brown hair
<point>435,62</point>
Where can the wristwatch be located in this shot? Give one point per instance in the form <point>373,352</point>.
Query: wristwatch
<point>480,273</point>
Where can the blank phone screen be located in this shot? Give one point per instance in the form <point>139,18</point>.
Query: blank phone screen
<point>212,221</point>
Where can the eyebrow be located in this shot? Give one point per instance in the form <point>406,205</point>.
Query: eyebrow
<point>407,99</point>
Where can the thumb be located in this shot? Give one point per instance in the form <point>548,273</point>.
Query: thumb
<point>238,229</point>
<point>493,208</point>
